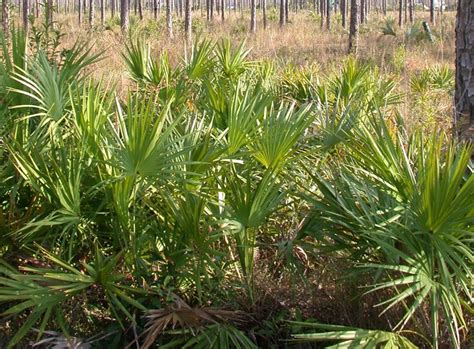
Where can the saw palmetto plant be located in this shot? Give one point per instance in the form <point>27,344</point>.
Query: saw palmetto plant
<point>405,204</point>
<point>148,218</point>
<point>347,337</point>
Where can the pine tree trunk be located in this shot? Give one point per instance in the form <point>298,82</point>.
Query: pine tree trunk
<point>328,14</point>
<point>264,13</point>
<point>124,15</point>
<point>79,6</point>
<point>282,13</point>
<point>322,6</point>
<point>432,11</point>
<point>367,11</point>
<point>26,15</point>
<point>354,27</point>
<point>91,12</point>
<point>112,8</point>
<point>343,13</point>
<point>169,19</point>
<point>400,10</point>
<point>155,9</point>
<point>6,31</point>
<point>187,20</point>
<point>102,12</point>
<point>140,9</point>
<point>464,96</point>
<point>412,11</point>
<point>405,10</point>
<point>362,10</point>
<point>49,12</point>
<point>223,10</point>
<point>253,16</point>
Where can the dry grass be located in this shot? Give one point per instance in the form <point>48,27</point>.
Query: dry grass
<point>301,42</point>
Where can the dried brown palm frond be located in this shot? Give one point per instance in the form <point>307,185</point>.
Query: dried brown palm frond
<point>180,315</point>
<point>58,340</point>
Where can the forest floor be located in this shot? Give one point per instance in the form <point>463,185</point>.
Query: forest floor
<point>301,45</point>
<point>301,42</point>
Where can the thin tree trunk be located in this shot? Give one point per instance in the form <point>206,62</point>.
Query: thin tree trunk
<point>124,15</point>
<point>464,95</point>
<point>140,9</point>
<point>112,8</point>
<point>187,20</point>
<point>102,12</point>
<point>287,7</point>
<point>91,12</point>
<point>223,10</point>
<point>264,13</point>
<point>322,12</point>
<point>328,14</point>
<point>155,9</point>
<point>405,11</point>
<point>362,10</point>
<point>26,15</point>
<point>367,11</point>
<point>169,19</point>
<point>346,7</point>
<point>253,16</point>
<point>79,6</point>
<point>282,13</point>
<point>432,11</point>
<point>411,10</point>
<point>354,27</point>
<point>343,13</point>
<point>49,13</point>
<point>400,11</point>
<point>5,18</point>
